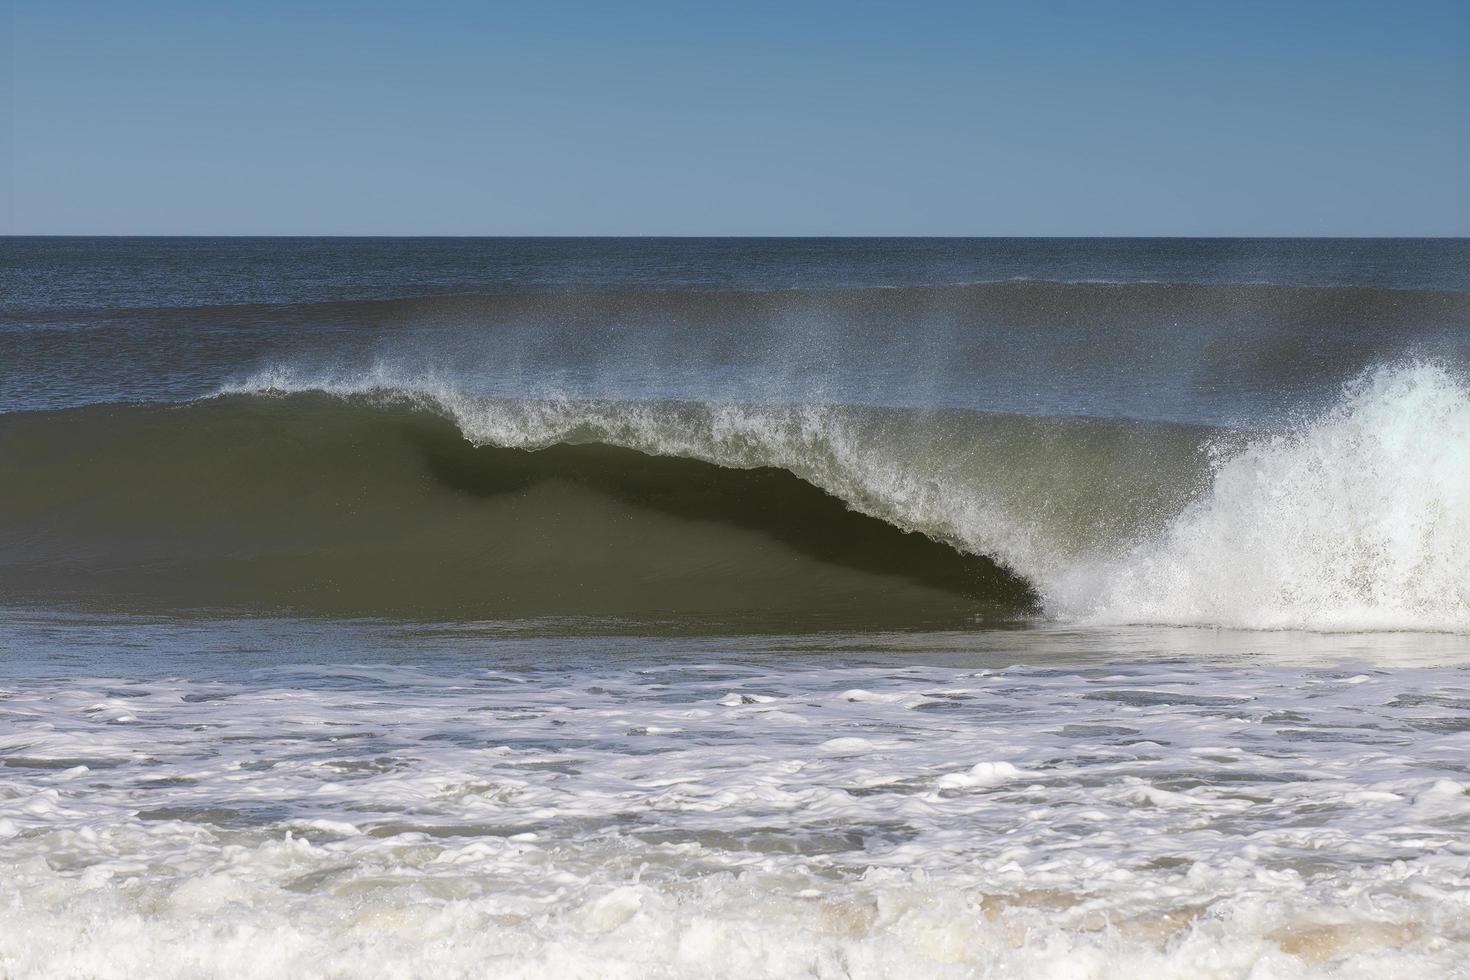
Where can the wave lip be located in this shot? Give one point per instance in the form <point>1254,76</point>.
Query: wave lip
<point>1035,494</point>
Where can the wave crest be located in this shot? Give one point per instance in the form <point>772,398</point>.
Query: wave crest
<point>382,492</point>
<point>1033,493</point>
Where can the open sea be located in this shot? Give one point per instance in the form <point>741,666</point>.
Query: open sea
<point>827,608</point>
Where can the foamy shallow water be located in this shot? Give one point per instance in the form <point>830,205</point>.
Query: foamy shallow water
<point>257,799</point>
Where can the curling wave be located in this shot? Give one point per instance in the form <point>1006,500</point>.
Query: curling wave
<point>315,505</point>
<point>378,493</point>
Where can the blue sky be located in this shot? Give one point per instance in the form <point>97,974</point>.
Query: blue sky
<point>1042,118</point>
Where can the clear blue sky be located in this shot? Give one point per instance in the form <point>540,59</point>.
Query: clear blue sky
<point>1236,117</point>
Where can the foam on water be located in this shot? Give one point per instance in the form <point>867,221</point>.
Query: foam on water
<point>663,815</point>
<point>1358,519</point>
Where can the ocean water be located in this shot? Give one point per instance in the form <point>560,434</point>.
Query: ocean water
<point>734,608</point>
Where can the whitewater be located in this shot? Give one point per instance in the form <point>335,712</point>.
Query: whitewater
<point>863,806</point>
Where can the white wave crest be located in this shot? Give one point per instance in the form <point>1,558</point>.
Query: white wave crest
<point>1359,520</point>
<point>880,464</point>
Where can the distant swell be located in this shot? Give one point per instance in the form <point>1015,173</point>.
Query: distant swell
<point>1046,301</point>
<point>379,493</point>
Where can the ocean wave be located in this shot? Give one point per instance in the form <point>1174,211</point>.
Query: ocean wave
<point>316,505</point>
<point>1034,493</point>
<point>406,494</point>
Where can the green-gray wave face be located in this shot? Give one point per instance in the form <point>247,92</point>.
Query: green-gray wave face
<point>693,515</point>
<point>320,506</point>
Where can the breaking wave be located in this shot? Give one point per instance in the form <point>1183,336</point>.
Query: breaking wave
<point>1359,519</point>
<point>407,495</point>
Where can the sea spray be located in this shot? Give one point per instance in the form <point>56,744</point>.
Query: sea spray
<point>1359,519</point>
<point>1036,494</point>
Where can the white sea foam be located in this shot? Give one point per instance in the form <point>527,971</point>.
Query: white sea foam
<point>632,819</point>
<point>1358,519</point>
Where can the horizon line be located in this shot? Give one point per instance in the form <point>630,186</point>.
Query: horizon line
<point>751,237</point>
